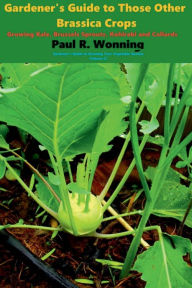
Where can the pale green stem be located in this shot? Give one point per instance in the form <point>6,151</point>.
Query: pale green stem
<point>119,159</point>
<point>38,174</point>
<point>53,162</point>
<point>168,104</point>
<point>157,181</point>
<point>65,196</point>
<point>180,107</point>
<point>26,226</point>
<point>125,177</point>
<point>140,212</point>
<point>178,81</point>
<point>22,183</point>
<point>69,171</point>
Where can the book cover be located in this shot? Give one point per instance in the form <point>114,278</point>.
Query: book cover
<point>95,144</point>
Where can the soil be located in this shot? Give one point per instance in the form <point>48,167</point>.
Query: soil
<point>74,258</point>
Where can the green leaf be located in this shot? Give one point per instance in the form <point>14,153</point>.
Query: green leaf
<point>61,105</point>
<point>74,187</point>
<point>148,126</point>
<point>110,126</point>
<point>110,263</point>
<point>174,197</point>
<point>3,143</point>
<point>4,130</point>
<point>154,86</point>
<point>151,264</point>
<point>186,72</point>
<point>2,168</point>
<point>187,159</point>
<point>85,281</point>
<point>157,139</point>
<point>133,70</point>
<point>15,74</point>
<point>181,164</point>
<point>45,194</point>
<point>47,255</point>
<point>54,179</point>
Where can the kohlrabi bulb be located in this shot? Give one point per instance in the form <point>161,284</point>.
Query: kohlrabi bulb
<point>85,222</point>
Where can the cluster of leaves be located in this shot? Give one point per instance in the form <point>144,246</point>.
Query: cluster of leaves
<point>79,108</point>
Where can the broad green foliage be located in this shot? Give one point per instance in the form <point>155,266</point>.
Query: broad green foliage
<point>16,74</point>
<point>152,264</point>
<point>110,126</point>
<point>174,197</point>
<point>154,87</point>
<point>61,104</point>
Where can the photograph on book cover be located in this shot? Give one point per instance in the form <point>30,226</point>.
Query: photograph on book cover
<point>95,144</point>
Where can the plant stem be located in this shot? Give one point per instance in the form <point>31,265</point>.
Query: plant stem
<point>65,196</point>
<point>156,184</point>
<point>180,107</point>
<point>125,177</point>
<point>175,150</point>
<point>53,162</point>
<point>111,236</point>
<point>178,81</point>
<point>138,212</point>
<point>180,127</point>
<point>136,240</point>
<point>168,104</point>
<point>180,231</point>
<point>119,159</point>
<point>26,226</point>
<point>125,224</point>
<point>135,145</point>
<point>39,175</point>
<point>69,171</point>
<point>155,190</point>
<point>22,183</point>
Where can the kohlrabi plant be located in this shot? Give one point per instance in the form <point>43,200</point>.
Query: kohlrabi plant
<point>77,109</point>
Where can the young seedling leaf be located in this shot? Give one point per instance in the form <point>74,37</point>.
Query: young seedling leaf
<point>113,264</point>
<point>153,264</point>
<point>74,187</point>
<point>148,126</point>
<point>85,281</point>
<point>75,95</point>
<point>47,255</point>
